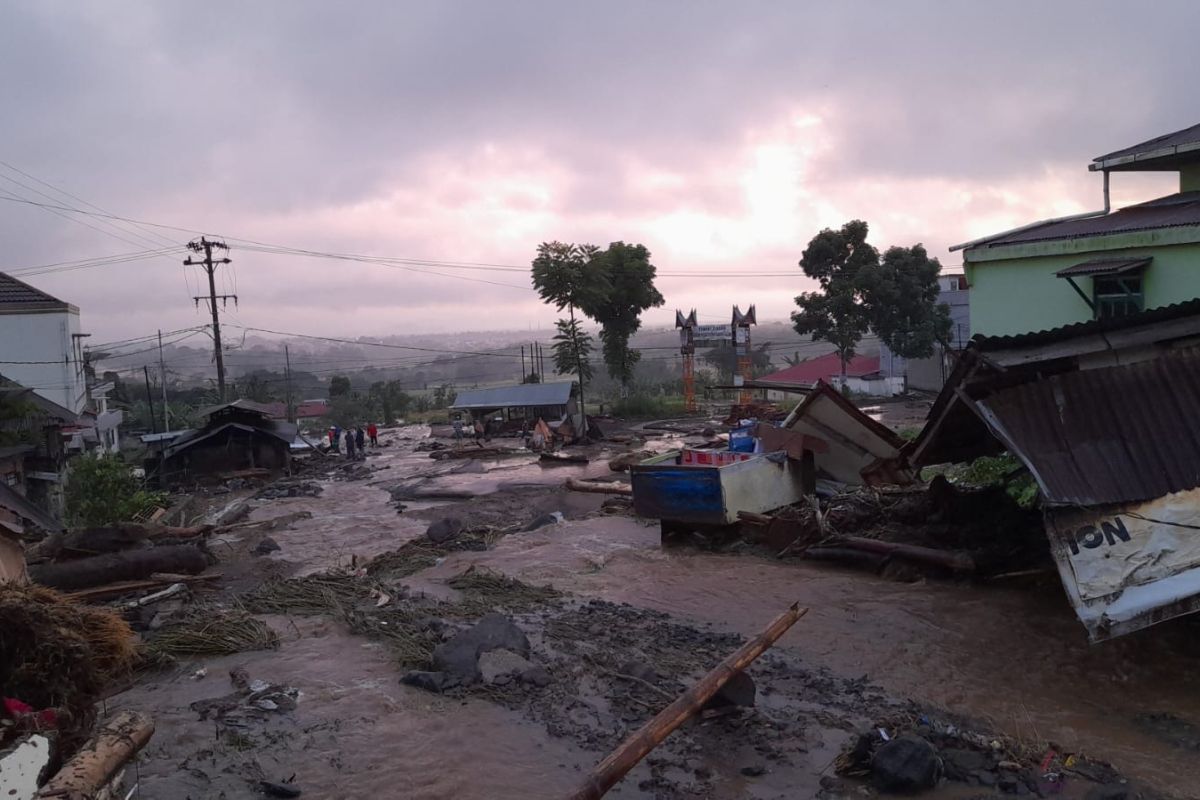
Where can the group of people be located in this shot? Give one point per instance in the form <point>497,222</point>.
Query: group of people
<point>481,430</point>
<point>356,439</point>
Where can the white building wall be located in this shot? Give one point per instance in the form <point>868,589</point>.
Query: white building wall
<point>45,336</point>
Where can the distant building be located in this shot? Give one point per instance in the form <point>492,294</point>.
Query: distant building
<point>1095,265</point>
<point>929,374</point>
<point>863,376</point>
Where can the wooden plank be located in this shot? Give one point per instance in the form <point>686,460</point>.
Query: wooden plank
<point>627,755</point>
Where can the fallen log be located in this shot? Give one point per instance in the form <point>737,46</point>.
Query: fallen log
<point>846,555</point>
<point>130,565</point>
<point>598,488</point>
<point>89,770</point>
<point>957,562</point>
<point>627,755</point>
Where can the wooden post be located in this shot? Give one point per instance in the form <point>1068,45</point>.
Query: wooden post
<point>627,755</point>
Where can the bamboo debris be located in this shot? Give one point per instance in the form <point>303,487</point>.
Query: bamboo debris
<point>608,772</point>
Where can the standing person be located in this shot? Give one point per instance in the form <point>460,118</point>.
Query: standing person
<point>360,441</point>
<point>479,432</point>
<point>373,433</point>
<point>336,435</point>
<point>349,444</point>
<point>458,431</point>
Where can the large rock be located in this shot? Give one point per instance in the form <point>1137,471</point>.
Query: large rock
<point>459,656</point>
<point>429,681</point>
<point>1111,791</point>
<point>737,691</point>
<point>501,666</point>
<point>444,530</point>
<point>908,763</point>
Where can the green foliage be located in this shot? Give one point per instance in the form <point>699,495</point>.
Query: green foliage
<point>1003,470</point>
<point>725,358</point>
<point>339,385</point>
<point>256,387</point>
<point>629,292</point>
<point>532,377</point>
<point>352,410</point>
<point>18,422</point>
<point>646,406</point>
<point>393,401</point>
<point>569,275</point>
<point>444,396</point>
<point>902,292</point>
<point>572,349</point>
<point>837,314</point>
<point>104,491</point>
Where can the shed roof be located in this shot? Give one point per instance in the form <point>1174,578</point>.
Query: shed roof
<point>262,409</point>
<point>1173,211</point>
<point>16,295</point>
<point>283,431</point>
<point>23,507</point>
<point>526,394</point>
<point>1150,318</point>
<point>1153,153</point>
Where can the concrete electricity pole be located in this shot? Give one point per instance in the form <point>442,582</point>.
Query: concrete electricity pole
<point>210,266</point>
<point>162,369</point>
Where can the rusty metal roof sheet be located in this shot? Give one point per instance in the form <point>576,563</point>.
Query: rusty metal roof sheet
<point>1110,435</point>
<point>1104,266</point>
<point>1172,211</point>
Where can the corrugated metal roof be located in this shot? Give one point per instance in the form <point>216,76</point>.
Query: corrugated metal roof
<point>16,292</point>
<point>23,507</point>
<point>823,368</point>
<point>1184,137</point>
<point>242,405</point>
<point>527,394</point>
<point>1173,211</point>
<point>1154,316</point>
<point>1104,266</point>
<point>1110,435</point>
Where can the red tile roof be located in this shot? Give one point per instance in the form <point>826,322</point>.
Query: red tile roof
<point>823,368</point>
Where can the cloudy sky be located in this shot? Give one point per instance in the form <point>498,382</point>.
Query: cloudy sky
<point>721,135</point>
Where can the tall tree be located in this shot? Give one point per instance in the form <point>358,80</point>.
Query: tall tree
<point>630,291</point>
<point>570,276</point>
<point>838,313</point>
<point>339,385</point>
<point>572,350</point>
<point>902,292</point>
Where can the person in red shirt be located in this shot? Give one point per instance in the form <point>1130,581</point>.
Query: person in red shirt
<point>373,434</point>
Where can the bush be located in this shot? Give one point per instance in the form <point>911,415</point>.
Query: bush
<point>104,491</point>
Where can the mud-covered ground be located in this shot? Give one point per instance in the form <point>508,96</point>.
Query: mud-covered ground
<point>625,628</point>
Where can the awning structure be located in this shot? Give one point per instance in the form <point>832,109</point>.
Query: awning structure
<point>1106,266</point>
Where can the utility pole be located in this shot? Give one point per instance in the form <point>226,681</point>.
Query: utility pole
<point>149,397</point>
<point>524,374</point>
<point>210,266</point>
<point>287,374</point>
<point>162,373</point>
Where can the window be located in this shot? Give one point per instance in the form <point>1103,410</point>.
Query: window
<point>1117,295</point>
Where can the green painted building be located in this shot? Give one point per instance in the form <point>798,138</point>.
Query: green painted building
<point>1095,265</point>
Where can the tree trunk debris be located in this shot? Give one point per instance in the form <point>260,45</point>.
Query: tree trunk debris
<point>596,487</point>
<point>100,759</point>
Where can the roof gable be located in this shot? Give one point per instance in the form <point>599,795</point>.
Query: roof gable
<point>17,295</point>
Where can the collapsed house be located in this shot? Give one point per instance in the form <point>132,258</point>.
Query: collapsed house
<point>523,404</point>
<point>1102,415</point>
<point>236,436</point>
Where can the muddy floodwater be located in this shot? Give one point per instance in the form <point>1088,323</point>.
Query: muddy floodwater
<point>1013,657</point>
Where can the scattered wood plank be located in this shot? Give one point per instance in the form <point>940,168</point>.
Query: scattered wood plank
<point>157,597</point>
<point>597,487</point>
<point>89,770</point>
<point>627,755</point>
<point>121,588</point>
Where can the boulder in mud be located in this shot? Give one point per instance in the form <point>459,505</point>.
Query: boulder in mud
<point>640,670</point>
<point>444,530</point>
<point>266,545</point>
<point>459,657</point>
<point>501,666</point>
<point>542,521</point>
<point>536,675</point>
<point>738,691</point>
<point>1111,791</point>
<point>908,763</point>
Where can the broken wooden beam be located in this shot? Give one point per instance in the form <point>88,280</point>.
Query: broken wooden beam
<point>129,565</point>
<point>597,487</point>
<point>951,560</point>
<point>627,755</point>
<point>121,588</point>
<point>91,769</point>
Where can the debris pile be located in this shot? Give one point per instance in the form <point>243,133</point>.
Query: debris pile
<point>58,658</point>
<point>210,631</point>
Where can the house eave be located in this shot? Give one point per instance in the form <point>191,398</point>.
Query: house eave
<point>1118,240</point>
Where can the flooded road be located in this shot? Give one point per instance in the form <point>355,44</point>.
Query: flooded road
<point>1014,658</point>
